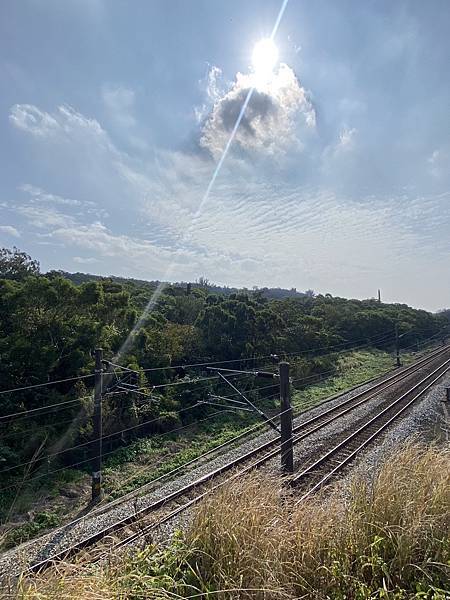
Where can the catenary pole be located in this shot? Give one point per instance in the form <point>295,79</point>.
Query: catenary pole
<point>287,453</point>
<point>97,428</point>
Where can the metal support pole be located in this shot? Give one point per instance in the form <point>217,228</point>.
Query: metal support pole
<point>97,428</point>
<point>287,453</point>
<point>397,346</point>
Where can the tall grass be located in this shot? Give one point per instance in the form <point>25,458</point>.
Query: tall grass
<point>386,536</point>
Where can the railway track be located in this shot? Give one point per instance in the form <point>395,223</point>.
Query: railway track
<point>167,507</point>
<point>322,470</point>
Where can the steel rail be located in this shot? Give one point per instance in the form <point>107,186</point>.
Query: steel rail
<point>114,527</point>
<point>343,445</point>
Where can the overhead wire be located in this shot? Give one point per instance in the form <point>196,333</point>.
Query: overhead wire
<point>48,408</point>
<point>257,389</point>
<point>179,366</point>
<point>176,469</point>
<point>245,359</point>
<point>104,437</point>
<point>87,460</point>
<point>34,411</point>
<point>39,385</point>
<point>41,427</point>
<point>117,433</point>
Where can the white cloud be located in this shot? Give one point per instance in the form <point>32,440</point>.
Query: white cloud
<point>131,255</point>
<point>39,195</point>
<point>119,102</point>
<point>40,209</point>
<point>88,260</point>
<point>439,163</point>
<point>347,138</point>
<point>278,115</point>
<point>29,118</point>
<point>9,230</point>
<point>214,89</point>
<point>256,228</point>
<point>65,123</point>
<point>44,217</point>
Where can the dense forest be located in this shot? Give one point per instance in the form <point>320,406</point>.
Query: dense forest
<point>50,326</point>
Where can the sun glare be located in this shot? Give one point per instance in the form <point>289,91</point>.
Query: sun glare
<point>264,59</point>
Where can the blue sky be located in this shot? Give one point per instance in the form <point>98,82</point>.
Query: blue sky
<point>114,115</point>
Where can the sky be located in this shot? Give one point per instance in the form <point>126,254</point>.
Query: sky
<point>116,119</point>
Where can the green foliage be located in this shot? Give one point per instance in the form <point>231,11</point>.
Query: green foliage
<point>238,325</point>
<point>17,265</point>
<point>40,522</point>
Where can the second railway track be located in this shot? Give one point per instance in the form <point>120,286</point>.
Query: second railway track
<point>334,460</point>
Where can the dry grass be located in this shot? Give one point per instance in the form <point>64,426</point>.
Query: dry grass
<point>383,538</point>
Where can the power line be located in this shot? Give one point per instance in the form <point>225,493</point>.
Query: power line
<point>84,444</point>
<point>180,366</point>
<point>48,408</point>
<point>204,364</point>
<point>199,364</point>
<point>38,385</point>
<point>378,338</point>
<point>183,382</point>
<point>253,358</point>
<point>87,460</point>
<point>116,433</point>
<point>41,428</point>
<point>184,465</point>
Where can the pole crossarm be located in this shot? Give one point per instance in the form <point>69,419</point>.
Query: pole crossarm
<point>225,406</point>
<point>215,397</point>
<point>264,374</point>
<point>255,408</point>
<point>111,364</point>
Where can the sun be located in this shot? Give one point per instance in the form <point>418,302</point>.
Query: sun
<point>264,59</point>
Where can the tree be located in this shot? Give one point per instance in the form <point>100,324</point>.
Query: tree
<point>17,265</point>
<point>203,282</point>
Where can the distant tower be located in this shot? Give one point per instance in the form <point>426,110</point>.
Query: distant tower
<point>379,295</point>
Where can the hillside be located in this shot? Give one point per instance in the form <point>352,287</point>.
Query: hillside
<point>201,283</point>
